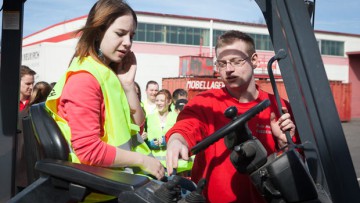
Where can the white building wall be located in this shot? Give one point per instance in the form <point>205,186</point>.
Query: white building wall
<point>337,73</point>
<point>243,28</point>
<point>352,44</point>
<point>172,21</point>
<point>52,61</point>
<point>54,31</point>
<point>155,67</point>
<point>31,57</point>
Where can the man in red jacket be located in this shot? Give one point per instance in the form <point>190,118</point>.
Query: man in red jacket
<point>204,114</point>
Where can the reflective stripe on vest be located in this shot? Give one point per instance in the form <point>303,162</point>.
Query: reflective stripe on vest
<point>182,164</point>
<point>118,127</point>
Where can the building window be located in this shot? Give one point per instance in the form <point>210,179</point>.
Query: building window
<point>189,36</point>
<point>159,33</point>
<point>262,42</point>
<point>147,32</point>
<point>140,32</point>
<point>150,32</point>
<point>216,34</point>
<point>334,48</point>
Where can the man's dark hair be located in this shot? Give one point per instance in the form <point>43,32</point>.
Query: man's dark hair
<point>232,35</point>
<point>151,82</point>
<point>25,70</point>
<point>179,105</point>
<point>179,92</point>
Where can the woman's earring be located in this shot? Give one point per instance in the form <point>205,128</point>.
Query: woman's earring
<point>100,55</point>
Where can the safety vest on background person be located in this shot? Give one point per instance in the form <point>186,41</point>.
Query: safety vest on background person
<point>172,107</point>
<point>149,108</point>
<point>156,131</point>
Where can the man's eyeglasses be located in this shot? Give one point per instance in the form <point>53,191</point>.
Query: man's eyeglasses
<point>234,62</point>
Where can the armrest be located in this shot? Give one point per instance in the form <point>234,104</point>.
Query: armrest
<point>104,180</point>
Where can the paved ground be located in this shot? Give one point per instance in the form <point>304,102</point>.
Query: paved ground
<point>352,134</point>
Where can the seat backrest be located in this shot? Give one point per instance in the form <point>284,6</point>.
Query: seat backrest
<point>42,139</point>
<point>50,138</point>
<point>31,149</point>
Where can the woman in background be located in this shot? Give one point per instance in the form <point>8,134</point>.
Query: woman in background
<point>158,124</point>
<point>40,92</point>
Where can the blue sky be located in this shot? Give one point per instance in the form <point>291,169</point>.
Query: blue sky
<point>330,15</point>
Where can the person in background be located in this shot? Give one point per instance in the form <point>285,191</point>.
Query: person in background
<point>138,91</point>
<point>204,115</point>
<point>152,87</point>
<point>142,132</point>
<point>158,124</point>
<point>95,103</point>
<point>39,94</point>
<point>180,104</point>
<point>26,85</point>
<point>178,94</point>
<point>52,84</point>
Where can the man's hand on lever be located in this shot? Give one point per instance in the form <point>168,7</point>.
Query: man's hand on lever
<point>176,148</point>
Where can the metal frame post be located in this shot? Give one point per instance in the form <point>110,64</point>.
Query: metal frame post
<point>11,44</point>
<point>311,99</point>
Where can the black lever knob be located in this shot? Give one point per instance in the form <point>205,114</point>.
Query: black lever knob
<point>169,191</point>
<point>196,196</point>
<point>231,112</point>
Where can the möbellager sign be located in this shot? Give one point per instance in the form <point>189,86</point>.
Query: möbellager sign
<point>204,84</point>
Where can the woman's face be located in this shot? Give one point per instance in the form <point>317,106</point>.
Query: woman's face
<point>162,104</point>
<point>117,39</point>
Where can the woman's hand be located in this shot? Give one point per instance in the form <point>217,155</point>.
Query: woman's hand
<point>144,135</point>
<point>153,166</point>
<point>125,158</point>
<point>126,71</point>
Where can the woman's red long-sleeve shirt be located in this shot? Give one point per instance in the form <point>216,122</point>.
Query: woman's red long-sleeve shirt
<point>82,105</point>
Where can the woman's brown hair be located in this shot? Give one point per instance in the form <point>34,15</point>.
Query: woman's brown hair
<point>100,17</point>
<point>40,92</point>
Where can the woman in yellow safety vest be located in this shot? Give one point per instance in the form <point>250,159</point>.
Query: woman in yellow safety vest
<point>95,103</point>
<point>158,124</point>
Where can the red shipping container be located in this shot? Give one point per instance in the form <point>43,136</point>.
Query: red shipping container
<point>341,93</point>
<point>196,66</point>
<point>194,85</point>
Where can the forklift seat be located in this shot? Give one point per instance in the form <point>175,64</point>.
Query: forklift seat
<point>55,178</point>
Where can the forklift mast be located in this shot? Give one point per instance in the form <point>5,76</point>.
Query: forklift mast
<point>311,100</point>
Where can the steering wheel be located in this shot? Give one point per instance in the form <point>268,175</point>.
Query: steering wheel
<point>237,121</point>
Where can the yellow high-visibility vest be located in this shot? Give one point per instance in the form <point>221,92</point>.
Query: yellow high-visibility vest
<point>119,130</point>
<point>155,131</point>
